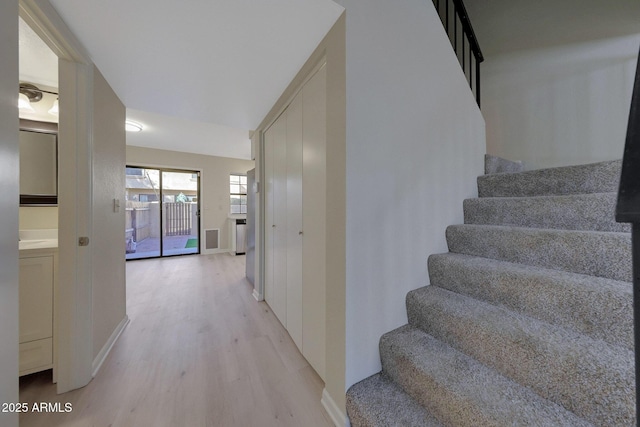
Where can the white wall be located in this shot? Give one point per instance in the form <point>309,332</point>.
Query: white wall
<point>38,217</point>
<point>9,188</point>
<point>108,237</point>
<point>561,105</point>
<point>415,145</point>
<point>214,181</point>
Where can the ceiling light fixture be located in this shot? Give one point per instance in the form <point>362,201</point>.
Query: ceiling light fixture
<point>23,103</point>
<point>31,93</point>
<point>131,126</point>
<point>55,109</point>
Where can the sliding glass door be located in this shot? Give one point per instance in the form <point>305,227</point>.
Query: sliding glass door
<point>163,212</point>
<point>142,213</point>
<point>180,213</point>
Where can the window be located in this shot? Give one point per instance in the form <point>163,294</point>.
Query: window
<point>238,193</point>
<point>148,198</point>
<point>134,171</point>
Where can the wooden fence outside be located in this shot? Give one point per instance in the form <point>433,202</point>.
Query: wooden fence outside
<point>142,219</point>
<point>138,220</point>
<point>178,218</point>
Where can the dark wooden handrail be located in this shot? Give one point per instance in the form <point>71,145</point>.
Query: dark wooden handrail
<point>628,210</point>
<point>451,12</point>
<point>468,29</point>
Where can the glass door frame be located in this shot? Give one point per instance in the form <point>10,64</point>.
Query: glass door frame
<point>161,202</point>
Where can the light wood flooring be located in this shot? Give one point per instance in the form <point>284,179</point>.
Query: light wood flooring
<point>199,351</point>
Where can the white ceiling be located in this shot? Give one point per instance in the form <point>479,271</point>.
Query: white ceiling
<point>508,25</point>
<point>177,134</point>
<point>39,66</point>
<point>222,62</point>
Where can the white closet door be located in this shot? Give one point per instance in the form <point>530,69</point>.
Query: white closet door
<point>294,219</point>
<point>279,305</point>
<point>314,214</point>
<point>295,276</point>
<point>268,216</point>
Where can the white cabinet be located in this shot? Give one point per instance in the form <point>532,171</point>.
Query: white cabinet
<point>37,282</point>
<point>295,218</point>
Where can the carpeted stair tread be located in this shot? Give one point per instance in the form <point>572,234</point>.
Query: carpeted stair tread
<point>602,177</point>
<point>588,377</point>
<point>594,212</point>
<point>566,250</point>
<point>558,297</point>
<point>459,390</point>
<point>379,402</point>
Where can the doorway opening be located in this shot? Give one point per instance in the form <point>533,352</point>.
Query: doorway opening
<point>162,212</point>
<point>38,211</point>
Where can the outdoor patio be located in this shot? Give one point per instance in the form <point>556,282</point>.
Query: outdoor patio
<point>172,245</point>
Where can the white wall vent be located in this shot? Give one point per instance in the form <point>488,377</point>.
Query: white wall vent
<point>212,238</point>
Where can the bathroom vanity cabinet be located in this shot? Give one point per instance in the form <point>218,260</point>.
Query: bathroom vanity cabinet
<point>37,290</point>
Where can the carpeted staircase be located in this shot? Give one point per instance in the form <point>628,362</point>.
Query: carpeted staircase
<point>528,320</point>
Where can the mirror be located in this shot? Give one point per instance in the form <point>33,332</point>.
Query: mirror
<point>38,163</point>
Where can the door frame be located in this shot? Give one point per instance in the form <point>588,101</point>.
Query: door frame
<point>161,169</point>
<point>73,305</point>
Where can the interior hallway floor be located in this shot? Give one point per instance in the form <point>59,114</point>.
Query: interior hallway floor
<point>199,351</point>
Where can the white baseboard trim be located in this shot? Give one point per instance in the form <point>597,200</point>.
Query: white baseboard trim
<point>214,251</point>
<point>257,295</point>
<point>106,349</point>
<point>337,416</point>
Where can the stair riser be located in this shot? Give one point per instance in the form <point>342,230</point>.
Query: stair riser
<point>567,368</point>
<point>600,308</point>
<point>594,178</point>
<point>436,397</point>
<point>493,164</point>
<point>597,254</point>
<point>594,212</point>
<point>460,391</point>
